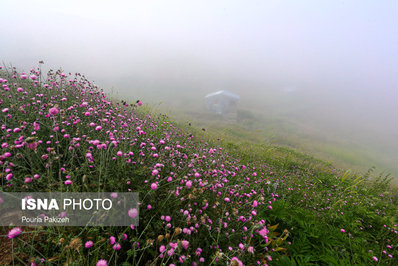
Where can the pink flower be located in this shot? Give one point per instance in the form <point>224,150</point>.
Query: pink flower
<point>117,246</point>
<point>162,248</point>
<point>98,128</point>
<point>250,250</point>
<point>112,240</point>
<point>36,126</point>
<point>33,77</point>
<point>133,212</point>
<point>139,103</point>
<point>5,110</point>
<point>53,111</point>
<point>23,76</point>
<point>235,260</point>
<point>33,145</point>
<point>68,182</point>
<point>88,244</point>
<point>154,186</point>
<point>102,263</point>
<point>119,153</point>
<point>342,230</point>
<point>185,244</point>
<point>14,232</point>
<point>28,180</point>
<point>375,258</point>
<point>263,232</point>
<point>189,184</point>
<point>9,176</point>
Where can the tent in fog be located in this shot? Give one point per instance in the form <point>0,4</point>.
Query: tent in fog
<point>222,102</point>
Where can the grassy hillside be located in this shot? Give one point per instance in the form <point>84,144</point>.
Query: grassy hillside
<point>206,198</point>
<point>330,128</point>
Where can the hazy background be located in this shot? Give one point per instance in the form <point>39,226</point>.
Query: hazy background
<point>320,76</point>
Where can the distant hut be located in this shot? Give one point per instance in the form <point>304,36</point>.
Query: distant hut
<point>222,103</point>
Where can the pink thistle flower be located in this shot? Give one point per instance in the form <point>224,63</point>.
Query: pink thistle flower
<point>53,111</point>
<point>133,212</point>
<point>14,232</point>
<point>36,126</point>
<point>68,182</point>
<point>154,186</point>
<point>33,77</point>
<point>250,250</point>
<point>33,145</point>
<point>88,244</point>
<point>263,232</point>
<point>185,244</point>
<point>117,246</point>
<point>162,248</point>
<point>189,184</point>
<point>375,258</point>
<point>112,240</point>
<point>119,153</point>
<point>28,180</point>
<point>236,261</point>
<point>98,128</point>
<point>342,230</point>
<point>5,110</point>
<point>139,103</point>
<point>9,176</point>
<point>24,76</point>
<point>102,263</point>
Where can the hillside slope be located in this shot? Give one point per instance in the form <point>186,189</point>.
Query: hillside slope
<point>203,201</point>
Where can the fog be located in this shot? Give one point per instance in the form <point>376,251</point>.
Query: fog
<point>329,66</point>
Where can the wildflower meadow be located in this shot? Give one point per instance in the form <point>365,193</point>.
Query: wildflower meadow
<point>202,201</point>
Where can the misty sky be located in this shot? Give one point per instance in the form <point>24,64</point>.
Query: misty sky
<point>340,56</point>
